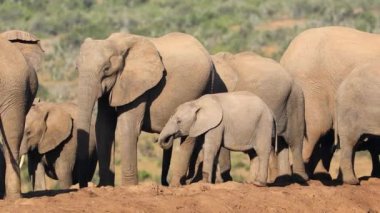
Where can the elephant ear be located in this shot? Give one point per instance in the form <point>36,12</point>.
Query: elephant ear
<point>143,68</point>
<point>228,75</point>
<point>28,44</point>
<point>59,126</point>
<point>208,116</point>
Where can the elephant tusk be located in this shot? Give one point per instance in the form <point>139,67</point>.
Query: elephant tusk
<point>22,161</point>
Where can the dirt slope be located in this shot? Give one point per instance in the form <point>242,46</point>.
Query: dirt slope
<point>227,197</point>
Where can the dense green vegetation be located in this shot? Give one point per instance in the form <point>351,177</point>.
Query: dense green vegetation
<point>264,26</point>
<point>221,25</point>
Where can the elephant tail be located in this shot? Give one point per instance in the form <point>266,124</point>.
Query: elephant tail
<point>274,136</point>
<point>335,126</point>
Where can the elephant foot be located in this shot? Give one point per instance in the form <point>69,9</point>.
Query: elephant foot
<point>204,181</point>
<point>352,181</point>
<point>175,182</point>
<point>12,196</point>
<point>257,183</point>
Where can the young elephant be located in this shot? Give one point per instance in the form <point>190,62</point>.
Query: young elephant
<point>238,121</point>
<point>358,116</point>
<point>50,142</point>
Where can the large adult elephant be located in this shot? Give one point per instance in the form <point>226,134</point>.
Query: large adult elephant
<point>138,82</point>
<point>267,79</point>
<point>319,60</point>
<point>20,56</point>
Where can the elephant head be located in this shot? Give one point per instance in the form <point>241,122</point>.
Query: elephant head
<point>28,44</point>
<point>191,119</point>
<point>46,127</point>
<point>122,66</point>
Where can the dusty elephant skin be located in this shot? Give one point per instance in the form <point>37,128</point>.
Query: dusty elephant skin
<point>268,80</point>
<point>238,121</point>
<point>20,56</point>
<point>50,141</point>
<point>137,83</point>
<point>332,53</point>
<point>358,117</point>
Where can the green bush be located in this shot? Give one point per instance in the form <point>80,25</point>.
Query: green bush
<point>144,175</point>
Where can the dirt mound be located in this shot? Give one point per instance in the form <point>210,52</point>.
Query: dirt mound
<point>227,197</point>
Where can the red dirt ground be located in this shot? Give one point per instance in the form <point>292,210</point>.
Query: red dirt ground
<point>200,197</point>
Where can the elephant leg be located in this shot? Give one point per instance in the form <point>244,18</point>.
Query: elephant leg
<point>38,181</point>
<point>295,131</point>
<point>12,127</point>
<point>253,167</point>
<point>180,161</point>
<point>374,150</point>
<point>323,156</point>
<point>259,167</point>
<point>224,166</point>
<point>211,146</point>
<point>318,123</point>
<point>105,137</point>
<point>128,127</point>
<point>273,167</point>
<point>346,160</point>
<point>2,169</point>
<point>263,149</point>
<point>65,177</point>
<point>283,159</point>
<point>298,167</point>
<point>194,173</point>
<point>166,157</point>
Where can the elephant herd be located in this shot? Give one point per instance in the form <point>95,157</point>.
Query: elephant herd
<point>288,117</point>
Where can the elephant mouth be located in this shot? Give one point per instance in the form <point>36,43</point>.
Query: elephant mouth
<point>167,142</point>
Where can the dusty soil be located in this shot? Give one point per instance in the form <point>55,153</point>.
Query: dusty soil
<point>226,197</point>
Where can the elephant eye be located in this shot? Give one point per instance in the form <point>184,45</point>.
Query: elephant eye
<point>106,68</point>
<point>178,121</point>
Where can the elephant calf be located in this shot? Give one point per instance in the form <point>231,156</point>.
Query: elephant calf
<point>50,141</point>
<point>238,121</point>
<point>358,116</point>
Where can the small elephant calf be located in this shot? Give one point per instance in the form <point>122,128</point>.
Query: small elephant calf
<point>50,141</point>
<point>238,121</point>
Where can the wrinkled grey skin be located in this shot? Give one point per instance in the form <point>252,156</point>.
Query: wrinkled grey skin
<point>238,121</point>
<point>20,56</point>
<point>50,141</point>
<point>319,60</point>
<point>358,117</point>
<point>137,83</point>
<point>268,80</point>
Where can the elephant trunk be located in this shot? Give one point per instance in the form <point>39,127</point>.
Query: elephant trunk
<point>168,134</point>
<point>167,143</point>
<point>88,93</point>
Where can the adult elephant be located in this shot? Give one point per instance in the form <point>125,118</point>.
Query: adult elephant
<point>138,82</point>
<point>20,56</point>
<point>319,60</point>
<point>267,79</point>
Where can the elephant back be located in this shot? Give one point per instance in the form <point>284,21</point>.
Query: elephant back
<point>19,36</point>
<point>28,44</point>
